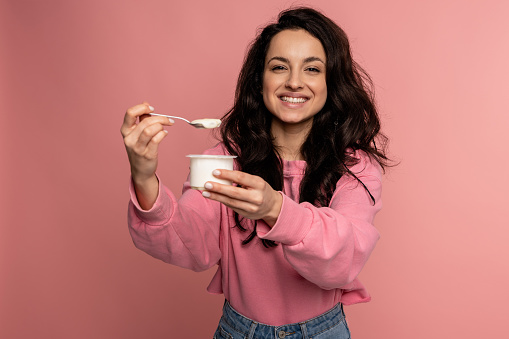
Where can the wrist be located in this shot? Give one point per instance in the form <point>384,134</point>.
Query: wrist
<point>274,212</point>
<point>142,180</point>
<point>147,190</point>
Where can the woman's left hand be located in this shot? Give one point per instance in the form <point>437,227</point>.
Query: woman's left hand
<point>256,199</point>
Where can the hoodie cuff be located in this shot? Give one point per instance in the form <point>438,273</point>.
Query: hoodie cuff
<point>161,210</point>
<point>292,225</point>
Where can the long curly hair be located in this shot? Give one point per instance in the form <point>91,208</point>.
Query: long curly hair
<point>348,120</point>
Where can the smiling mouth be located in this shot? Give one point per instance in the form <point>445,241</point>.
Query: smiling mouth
<point>293,100</point>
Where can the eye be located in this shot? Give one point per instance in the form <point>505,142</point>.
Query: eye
<point>313,69</point>
<point>278,68</point>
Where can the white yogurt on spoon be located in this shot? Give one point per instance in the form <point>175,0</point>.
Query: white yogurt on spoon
<point>207,123</point>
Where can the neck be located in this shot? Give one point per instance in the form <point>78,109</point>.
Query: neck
<point>289,138</point>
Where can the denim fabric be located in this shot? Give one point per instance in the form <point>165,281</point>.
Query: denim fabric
<point>330,325</point>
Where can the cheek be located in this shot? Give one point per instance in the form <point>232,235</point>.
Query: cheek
<point>321,93</point>
<point>266,101</point>
<point>266,97</point>
<point>267,91</point>
<point>324,94</point>
<point>266,84</point>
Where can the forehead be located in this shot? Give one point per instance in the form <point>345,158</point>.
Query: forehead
<point>298,44</point>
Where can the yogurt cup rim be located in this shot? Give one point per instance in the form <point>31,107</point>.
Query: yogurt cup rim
<point>211,156</point>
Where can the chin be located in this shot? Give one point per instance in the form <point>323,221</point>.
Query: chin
<point>295,120</point>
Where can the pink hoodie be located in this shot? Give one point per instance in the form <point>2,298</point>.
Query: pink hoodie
<point>320,251</point>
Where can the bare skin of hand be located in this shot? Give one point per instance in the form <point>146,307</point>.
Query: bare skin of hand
<point>256,199</point>
<point>142,135</point>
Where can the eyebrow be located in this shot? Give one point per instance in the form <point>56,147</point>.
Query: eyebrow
<point>306,60</point>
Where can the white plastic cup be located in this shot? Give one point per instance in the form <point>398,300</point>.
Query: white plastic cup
<point>203,165</point>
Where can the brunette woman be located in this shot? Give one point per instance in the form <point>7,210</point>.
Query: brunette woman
<point>292,234</point>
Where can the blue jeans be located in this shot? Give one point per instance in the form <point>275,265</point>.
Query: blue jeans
<point>330,325</point>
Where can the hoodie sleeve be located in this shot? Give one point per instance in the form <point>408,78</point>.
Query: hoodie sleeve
<point>183,232</point>
<point>330,245</point>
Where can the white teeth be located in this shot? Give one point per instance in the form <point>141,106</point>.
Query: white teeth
<point>294,100</point>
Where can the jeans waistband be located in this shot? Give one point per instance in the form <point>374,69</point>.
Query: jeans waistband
<point>308,328</point>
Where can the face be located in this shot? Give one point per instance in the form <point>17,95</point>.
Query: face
<point>294,83</point>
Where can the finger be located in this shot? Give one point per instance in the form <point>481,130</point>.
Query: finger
<point>233,192</point>
<point>142,135</point>
<point>148,134</point>
<point>153,145</point>
<point>145,130</point>
<point>241,178</point>
<point>253,197</point>
<point>242,207</point>
<point>132,115</point>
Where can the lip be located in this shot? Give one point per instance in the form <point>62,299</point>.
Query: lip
<point>293,105</point>
<point>293,95</point>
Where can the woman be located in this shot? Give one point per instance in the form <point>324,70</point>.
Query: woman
<point>293,233</point>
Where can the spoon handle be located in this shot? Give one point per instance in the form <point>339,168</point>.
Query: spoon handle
<point>170,116</point>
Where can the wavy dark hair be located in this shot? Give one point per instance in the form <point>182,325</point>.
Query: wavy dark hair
<point>348,120</point>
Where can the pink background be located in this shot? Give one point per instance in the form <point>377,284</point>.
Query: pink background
<point>69,70</point>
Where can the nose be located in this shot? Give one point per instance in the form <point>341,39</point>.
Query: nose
<point>294,81</point>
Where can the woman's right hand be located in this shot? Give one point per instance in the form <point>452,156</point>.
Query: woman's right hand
<point>142,141</point>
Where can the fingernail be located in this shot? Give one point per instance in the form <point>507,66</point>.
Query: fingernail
<point>208,185</point>
<point>216,172</point>
<point>171,121</point>
<point>151,108</point>
<point>206,194</point>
